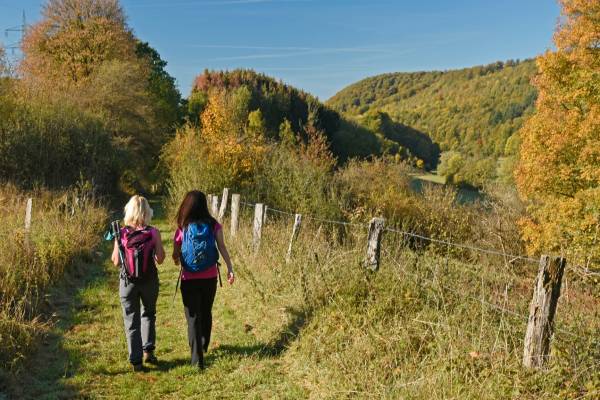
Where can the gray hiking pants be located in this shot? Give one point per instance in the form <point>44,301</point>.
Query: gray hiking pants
<point>139,321</point>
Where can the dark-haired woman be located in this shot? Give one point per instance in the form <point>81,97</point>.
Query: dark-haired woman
<point>198,289</point>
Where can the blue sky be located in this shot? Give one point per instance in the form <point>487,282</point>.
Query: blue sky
<point>323,45</point>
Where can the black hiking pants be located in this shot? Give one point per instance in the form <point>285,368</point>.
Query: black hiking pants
<point>198,296</point>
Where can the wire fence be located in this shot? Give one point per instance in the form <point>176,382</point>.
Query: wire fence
<point>494,252</point>
<point>512,257</point>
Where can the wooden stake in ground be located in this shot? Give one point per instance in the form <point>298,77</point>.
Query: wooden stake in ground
<point>259,211</point>
<point>223,207</point>
<point>295,231</point>
<point>374,243</point>
<point>28,209</point>
<point>215,206</point>
<point>235,213</point>
<point>540,325</point>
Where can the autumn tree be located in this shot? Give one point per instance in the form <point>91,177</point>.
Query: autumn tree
<point>73,39</point>
<point>82,52</point>
<point>558,172</point>
<point>230,144</point>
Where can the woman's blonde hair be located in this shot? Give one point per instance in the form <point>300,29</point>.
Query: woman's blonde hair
<point>138,212</point>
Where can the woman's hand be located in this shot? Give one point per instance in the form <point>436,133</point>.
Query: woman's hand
<point>176,253</point>
<point>223,251</point>
<point>115,254</point>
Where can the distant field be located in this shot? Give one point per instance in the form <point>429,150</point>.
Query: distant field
<point>430,177</point>
<point>465,195</point>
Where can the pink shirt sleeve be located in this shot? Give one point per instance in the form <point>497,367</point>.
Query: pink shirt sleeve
<point>178,237</point>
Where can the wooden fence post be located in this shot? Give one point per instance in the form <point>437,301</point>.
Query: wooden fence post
<point>266,208</point>
<point>209,200</point>
<point>235,212</point>
<point>295,231</point>
<point>28,209</point>
<point>215,206</point>
<point>259,216</point>
<point>542,309</point>
<point>223,203</point>
<point>374,243</point>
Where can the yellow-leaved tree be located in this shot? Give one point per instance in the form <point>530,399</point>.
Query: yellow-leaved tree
<point>232,146</point>
<point>558,172</point>
<point>73,39</point>
<point>82,53</point>
<point>224,151</point>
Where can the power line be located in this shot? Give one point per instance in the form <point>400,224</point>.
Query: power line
<point>22,29</point>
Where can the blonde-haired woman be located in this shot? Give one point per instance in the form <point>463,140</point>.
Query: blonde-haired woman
<point>138,248</point>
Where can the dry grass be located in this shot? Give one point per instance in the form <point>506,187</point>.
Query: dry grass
<point>322,327</point>
<point>31,262</point>
<point>424,326</point>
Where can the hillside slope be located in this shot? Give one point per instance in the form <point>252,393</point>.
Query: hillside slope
<point>473,111</point>
<point>279,103</point>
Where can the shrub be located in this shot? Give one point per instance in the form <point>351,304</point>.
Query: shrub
<point>380,187</point>
<point>55,145</point>
<point>298,179</point>
<point>30,263</point>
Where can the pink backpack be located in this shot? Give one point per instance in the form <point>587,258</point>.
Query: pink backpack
<point>139,246</point>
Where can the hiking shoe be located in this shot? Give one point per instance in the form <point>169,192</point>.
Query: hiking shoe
<point>138,367</point>
<point>150,358</point>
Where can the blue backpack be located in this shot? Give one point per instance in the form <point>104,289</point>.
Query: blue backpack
<point>199,248</point>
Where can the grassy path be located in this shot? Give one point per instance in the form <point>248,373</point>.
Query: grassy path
<point>86,354</point>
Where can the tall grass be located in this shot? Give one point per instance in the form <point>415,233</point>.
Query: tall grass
<point>31,262</point>
<point>424,326</point>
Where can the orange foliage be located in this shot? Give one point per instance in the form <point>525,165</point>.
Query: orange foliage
<point>559,167</point>
<point>228,147</point>
<point>74,39</point>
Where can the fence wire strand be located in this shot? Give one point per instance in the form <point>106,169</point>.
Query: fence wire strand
<point>513,257</point>
<point>464,246</point>
<point>491,305</point>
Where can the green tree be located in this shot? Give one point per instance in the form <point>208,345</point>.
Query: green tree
<point>163,90</point>
<point>473,111</point>
<point>450,166</point>
<point>286,134</point>
<point>195,105</point>
<point>84,53</point>
<point>256,124</point>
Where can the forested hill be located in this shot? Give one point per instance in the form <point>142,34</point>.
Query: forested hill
<point>283,108</point>
<point>472,111</point>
